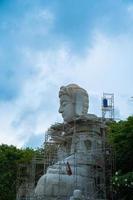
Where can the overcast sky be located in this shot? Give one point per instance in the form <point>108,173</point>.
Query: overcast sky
<point>45,44</point>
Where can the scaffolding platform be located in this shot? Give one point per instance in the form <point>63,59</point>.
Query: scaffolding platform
<point>53,153</point>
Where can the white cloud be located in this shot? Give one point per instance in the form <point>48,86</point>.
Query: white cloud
<point>105,67</point>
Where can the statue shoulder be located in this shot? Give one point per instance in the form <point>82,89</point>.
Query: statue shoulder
<point>86,117</point>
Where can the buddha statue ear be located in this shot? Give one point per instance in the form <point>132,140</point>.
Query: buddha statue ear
<point>79,104</point>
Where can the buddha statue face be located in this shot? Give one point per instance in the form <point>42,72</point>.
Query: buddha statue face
<point>66,108</point>
<point>73,102</point>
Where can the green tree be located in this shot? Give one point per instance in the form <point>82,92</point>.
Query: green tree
<point>121,138</point>
<point>10,157</point>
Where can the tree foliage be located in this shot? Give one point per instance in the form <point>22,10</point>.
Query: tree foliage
<point>10,157</point>
<point>121,138</point>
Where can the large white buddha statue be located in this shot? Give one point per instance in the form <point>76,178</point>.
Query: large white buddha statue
<point>72,171</point>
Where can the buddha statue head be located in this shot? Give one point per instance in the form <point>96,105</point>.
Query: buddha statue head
<point>73,102</point>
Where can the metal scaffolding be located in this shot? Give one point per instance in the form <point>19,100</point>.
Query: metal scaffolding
<point>101,165</point>
<point>108,106</point>
<point>27,177</point>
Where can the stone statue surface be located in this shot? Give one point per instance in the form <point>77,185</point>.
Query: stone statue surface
<point>73,102</point>
<point>77,138</point>
<point>77,195</point>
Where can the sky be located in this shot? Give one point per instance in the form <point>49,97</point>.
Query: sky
<point>45,44</point>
